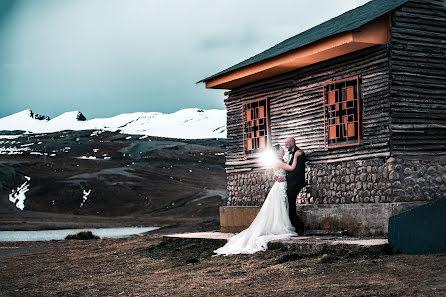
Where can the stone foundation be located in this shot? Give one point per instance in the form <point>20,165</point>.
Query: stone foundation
<point>347,182</point>
<point>418,180</point>
<point>359,196</point>
<point>379,180</point>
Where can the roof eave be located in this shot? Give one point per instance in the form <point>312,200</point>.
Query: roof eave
<point>371,34</point>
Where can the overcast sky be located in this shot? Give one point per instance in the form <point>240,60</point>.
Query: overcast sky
<point>106,57</point>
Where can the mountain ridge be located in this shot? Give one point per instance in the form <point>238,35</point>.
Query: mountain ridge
<point>190,123</point>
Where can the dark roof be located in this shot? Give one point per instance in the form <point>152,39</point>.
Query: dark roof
<point>350,20</point>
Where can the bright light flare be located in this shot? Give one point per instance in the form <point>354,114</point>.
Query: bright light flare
<point>268,158</point>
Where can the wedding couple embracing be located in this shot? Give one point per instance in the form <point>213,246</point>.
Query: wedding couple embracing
<point>277,218</point>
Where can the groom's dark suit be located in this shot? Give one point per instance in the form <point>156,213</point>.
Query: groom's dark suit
<point>295,182</point>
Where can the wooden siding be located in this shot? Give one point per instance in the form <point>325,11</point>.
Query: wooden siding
<point>296,108</point>
<point>418,79</point>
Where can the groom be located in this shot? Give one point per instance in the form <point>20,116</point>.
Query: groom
<point>295,181</point>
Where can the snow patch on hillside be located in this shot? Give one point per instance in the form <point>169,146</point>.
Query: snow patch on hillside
<point>18,196</point>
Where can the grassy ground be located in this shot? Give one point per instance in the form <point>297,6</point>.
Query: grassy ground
<point>148,266</point>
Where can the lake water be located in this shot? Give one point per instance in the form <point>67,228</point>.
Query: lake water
<point>60,234</point>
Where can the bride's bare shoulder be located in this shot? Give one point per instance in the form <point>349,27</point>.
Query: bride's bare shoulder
<point>278,165</point>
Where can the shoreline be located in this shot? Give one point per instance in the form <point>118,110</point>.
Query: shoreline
<point>39,221</point>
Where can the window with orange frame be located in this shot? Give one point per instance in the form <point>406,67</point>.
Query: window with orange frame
<point>342,118</point>
<point>255,126</point>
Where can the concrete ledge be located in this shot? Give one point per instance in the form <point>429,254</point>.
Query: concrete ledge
<point>358,219</point>
<point>234,219</point>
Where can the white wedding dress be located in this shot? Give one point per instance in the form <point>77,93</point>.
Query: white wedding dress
<point>272,222</point>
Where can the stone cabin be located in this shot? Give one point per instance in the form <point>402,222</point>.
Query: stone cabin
<point>364,96</point>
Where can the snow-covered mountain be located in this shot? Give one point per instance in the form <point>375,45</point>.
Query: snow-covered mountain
<point>191,123</point>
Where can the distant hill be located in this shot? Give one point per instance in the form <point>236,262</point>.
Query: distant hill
<point>189,123</point>
<point>93,172</point>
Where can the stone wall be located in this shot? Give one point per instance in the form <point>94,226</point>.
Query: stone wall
<point>347,182</point>
<point>249,189</point>
<point>379,180</point>
<point>418,179</point>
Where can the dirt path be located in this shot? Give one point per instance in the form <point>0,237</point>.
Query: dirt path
<point>145,266</point>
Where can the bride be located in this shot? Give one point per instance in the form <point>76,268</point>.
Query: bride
<point>272,222</point>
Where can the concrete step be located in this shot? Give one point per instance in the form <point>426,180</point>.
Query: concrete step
<point>213,235</point>
<point>304,245</point>
<point>317,245</point>
<point>325,232</point>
